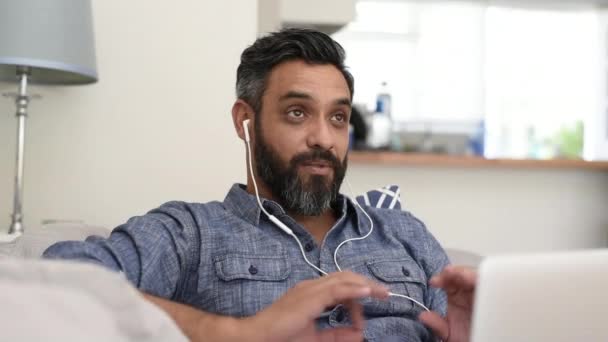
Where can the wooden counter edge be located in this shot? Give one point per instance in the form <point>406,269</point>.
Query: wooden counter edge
<point>438,160</point>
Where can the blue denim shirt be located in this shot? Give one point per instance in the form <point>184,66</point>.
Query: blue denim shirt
<point>228,258</point>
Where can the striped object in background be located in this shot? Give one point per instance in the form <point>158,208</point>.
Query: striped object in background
<point>385,197</point>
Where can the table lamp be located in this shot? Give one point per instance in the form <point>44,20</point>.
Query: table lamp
<point>42,42</point>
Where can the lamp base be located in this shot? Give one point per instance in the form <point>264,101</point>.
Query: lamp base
<point>16,227</point>
<point>21,102</point>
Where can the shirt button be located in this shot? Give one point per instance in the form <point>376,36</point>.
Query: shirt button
<point>406,272</point>
<point>340,316</point>
<point>309,247</point>
<point>253,270</point>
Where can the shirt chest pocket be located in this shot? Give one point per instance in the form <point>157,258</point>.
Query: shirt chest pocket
<point>403,277</point>
<point>247,283</point>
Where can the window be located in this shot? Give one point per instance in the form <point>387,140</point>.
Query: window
<point>532,74</point>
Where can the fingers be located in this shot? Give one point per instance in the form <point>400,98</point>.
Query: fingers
<point>436,323</point>
<point>343,286</point>
<point>355,310</point>
<point>336,293</point>
<point>458,277</point>
<point>377,290</point>
<point>293,315</point>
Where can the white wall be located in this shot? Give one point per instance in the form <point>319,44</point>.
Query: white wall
<point>156,127</point>
<point>491,211</point>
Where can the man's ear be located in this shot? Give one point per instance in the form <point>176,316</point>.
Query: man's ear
<point>241,111</point>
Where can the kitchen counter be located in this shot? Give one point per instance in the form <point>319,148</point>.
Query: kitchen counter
<point>495,206</point>
<point>437,160</point>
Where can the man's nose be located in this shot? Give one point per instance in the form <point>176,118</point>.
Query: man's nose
<point>320,135</point>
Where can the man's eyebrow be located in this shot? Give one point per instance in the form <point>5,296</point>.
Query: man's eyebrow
<point>295,95</point>
<point>345,101</point>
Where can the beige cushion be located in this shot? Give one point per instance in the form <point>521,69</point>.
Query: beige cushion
<point>35,240</point>
<point>50,300</point>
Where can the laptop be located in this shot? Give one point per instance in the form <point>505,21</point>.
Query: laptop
<point>550,297</point>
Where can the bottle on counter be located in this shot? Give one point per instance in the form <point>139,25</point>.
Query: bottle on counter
<point>384,100</point>
<point>380,124</point>
<point>477,140</point>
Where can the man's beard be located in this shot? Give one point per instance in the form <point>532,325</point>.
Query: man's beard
<point>309,198</point>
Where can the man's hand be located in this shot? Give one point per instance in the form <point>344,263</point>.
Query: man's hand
<point>292,317</point>
<point>459,284</point>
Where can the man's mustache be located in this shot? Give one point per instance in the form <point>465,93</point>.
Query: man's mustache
<point>316,155</point>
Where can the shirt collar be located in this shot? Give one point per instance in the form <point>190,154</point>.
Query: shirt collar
<point>245,206</point>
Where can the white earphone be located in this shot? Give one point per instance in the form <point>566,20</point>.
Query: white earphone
<point>246,126</point>
<point>271,217</point>
<point>289,232</point>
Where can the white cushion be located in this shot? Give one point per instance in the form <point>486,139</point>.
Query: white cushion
<point>35,240</point>
<point>49,300</point>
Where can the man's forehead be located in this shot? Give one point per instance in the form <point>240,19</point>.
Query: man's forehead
<point>297,79</point>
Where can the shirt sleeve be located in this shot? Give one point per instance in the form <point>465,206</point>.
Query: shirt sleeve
<point>154,251</point>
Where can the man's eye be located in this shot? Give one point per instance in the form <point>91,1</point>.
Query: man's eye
<point>339,117</point>
<point>296,113</point>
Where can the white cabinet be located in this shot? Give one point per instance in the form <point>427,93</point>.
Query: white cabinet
<point>324,15</point>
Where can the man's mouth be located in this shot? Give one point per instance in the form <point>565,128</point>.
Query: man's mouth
<point>318,167</point>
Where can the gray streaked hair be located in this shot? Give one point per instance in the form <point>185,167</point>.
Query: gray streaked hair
<point>268,51</point>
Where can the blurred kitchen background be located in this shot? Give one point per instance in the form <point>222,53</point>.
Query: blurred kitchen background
<point>522,83</point>
<point>500,79</point>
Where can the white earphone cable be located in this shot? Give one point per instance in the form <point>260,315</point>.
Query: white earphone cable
<point>272,217</point>
<point>371,227</point>
<point>289,232</point>
<point>410,298</point>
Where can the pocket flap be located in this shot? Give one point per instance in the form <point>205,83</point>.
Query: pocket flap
<point>255,267</point>
<point>402,270</point>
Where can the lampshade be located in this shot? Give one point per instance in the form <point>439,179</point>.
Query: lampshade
<point>52,37</point>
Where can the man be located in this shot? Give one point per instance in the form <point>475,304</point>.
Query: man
<point>250,268</point>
